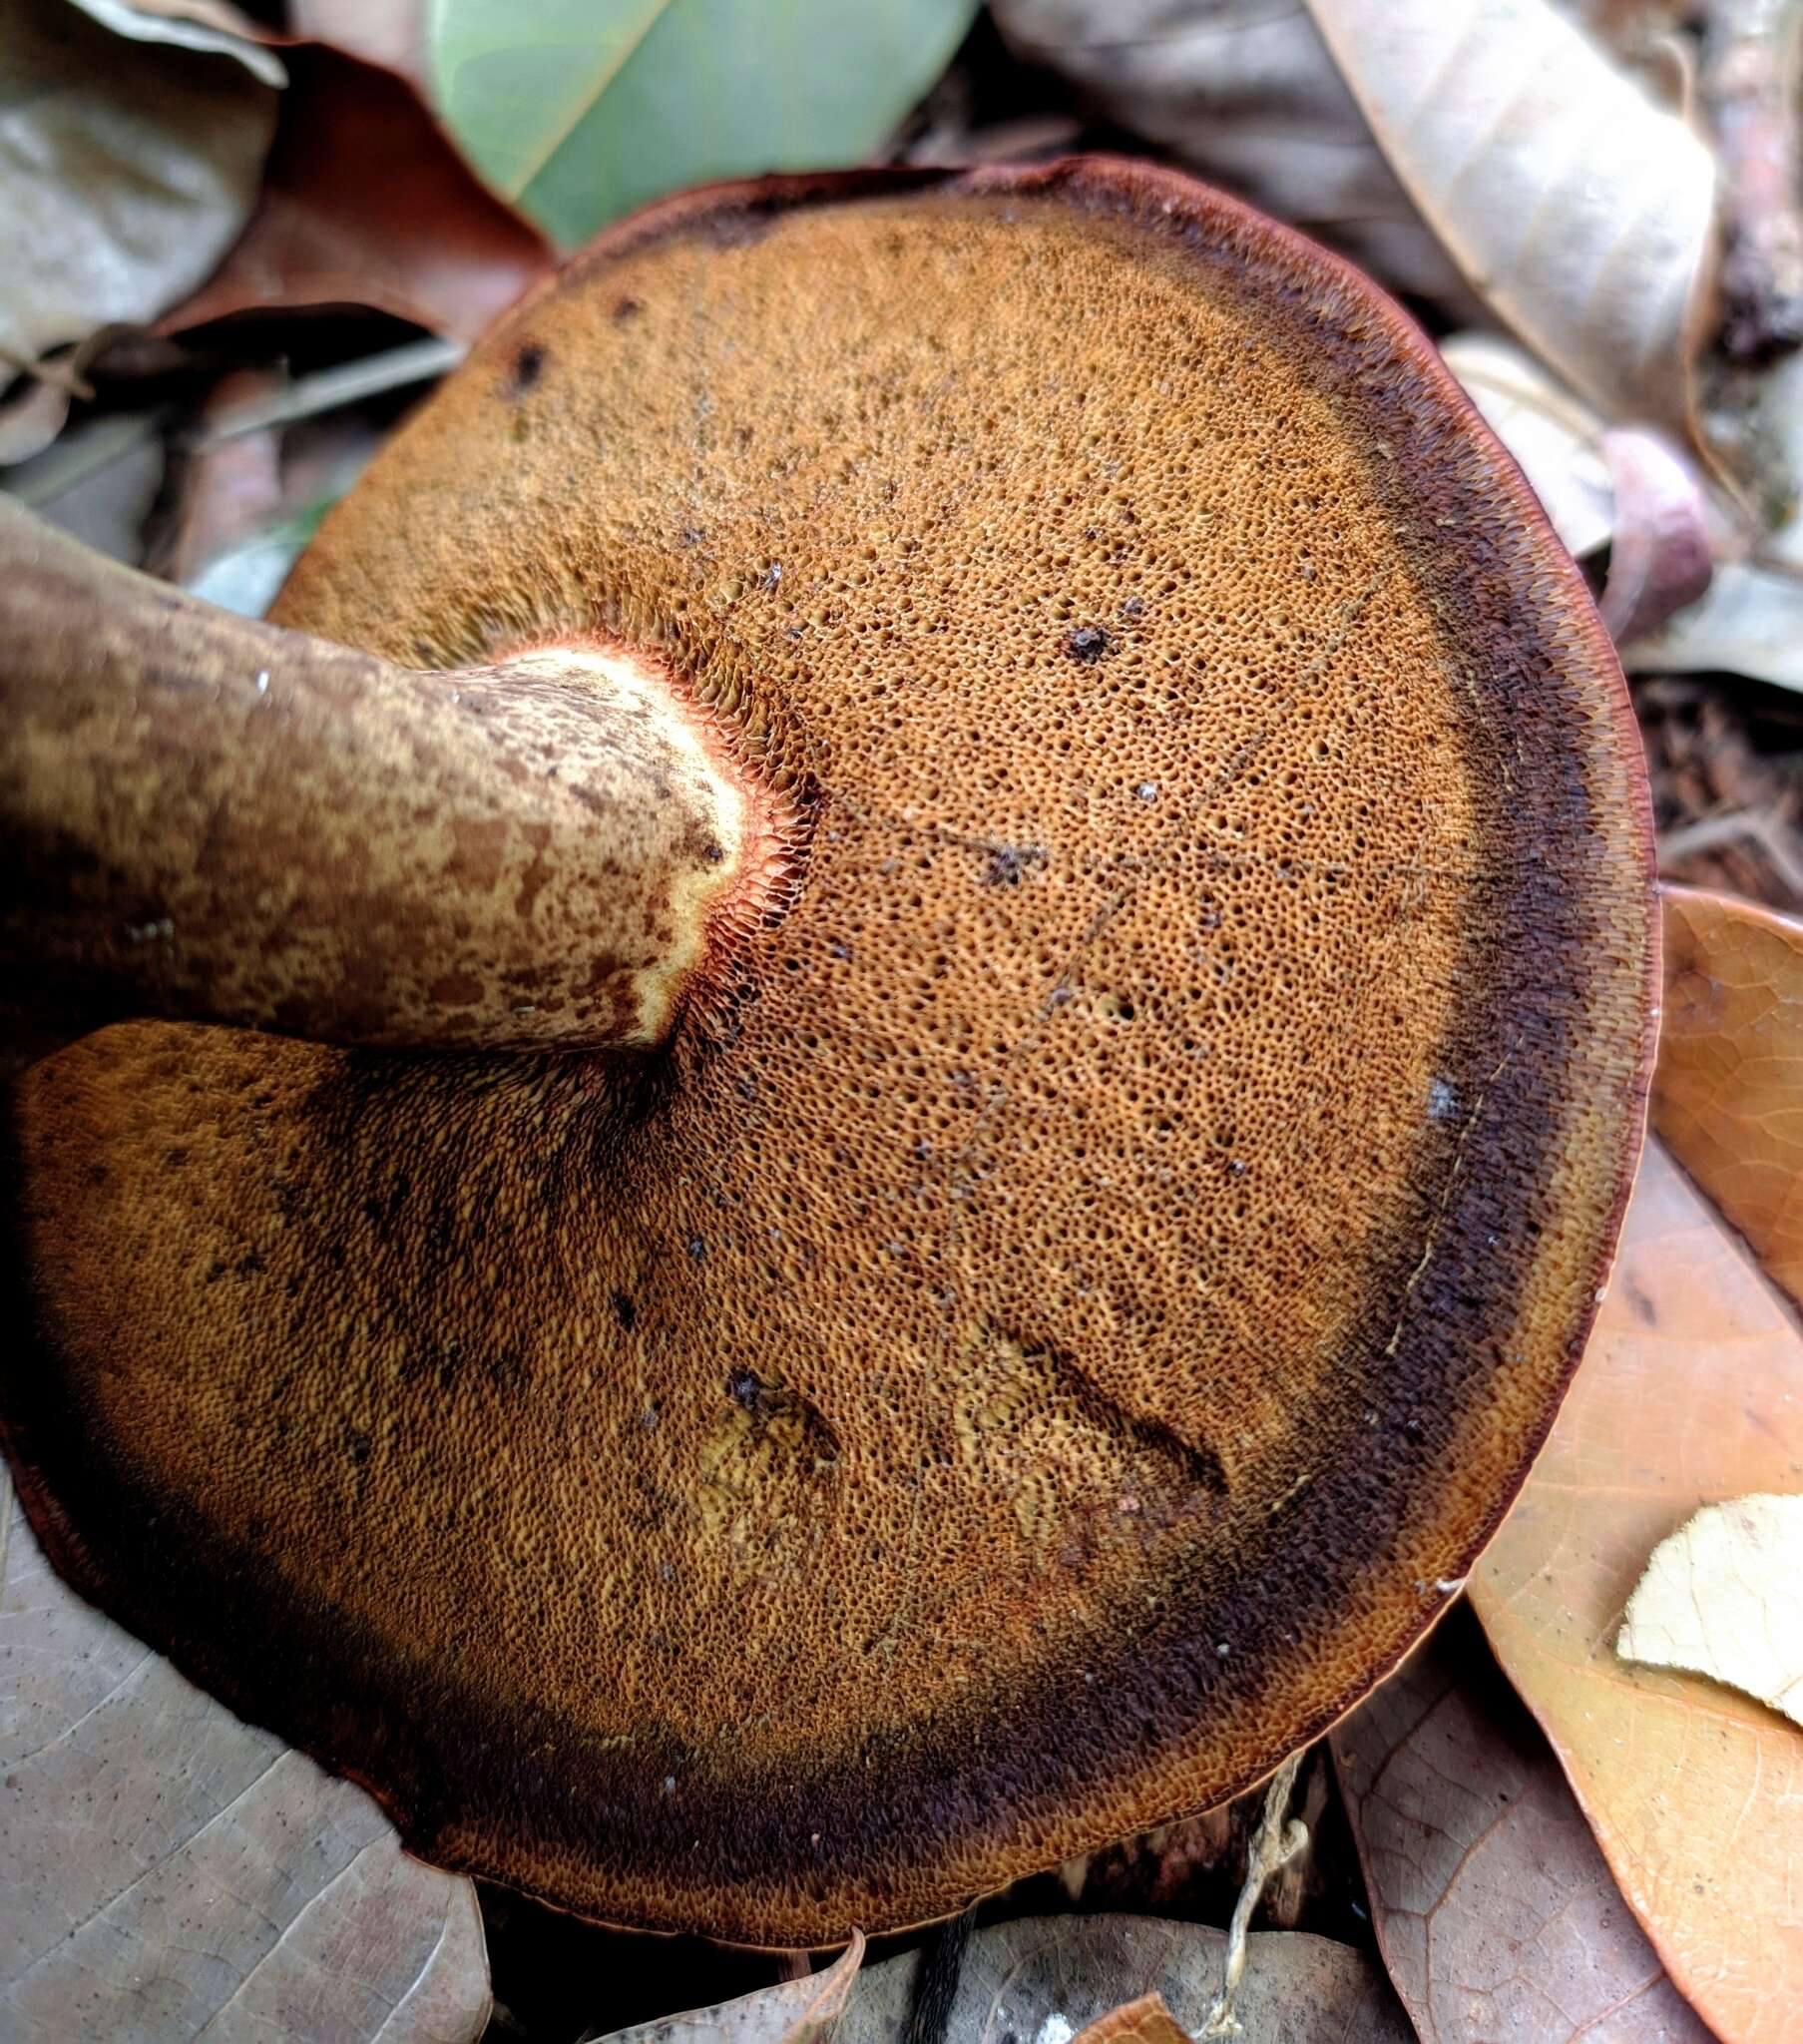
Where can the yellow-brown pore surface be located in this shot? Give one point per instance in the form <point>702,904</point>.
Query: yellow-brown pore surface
<point>1051,1327</point>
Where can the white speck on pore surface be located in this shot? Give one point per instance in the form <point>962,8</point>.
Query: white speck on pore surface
<point>1055,2029</point>
<point>1443,1100</point>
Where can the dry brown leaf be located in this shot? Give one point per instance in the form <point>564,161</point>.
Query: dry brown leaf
<point>168,1873</point>
<point>1249,96</point>
<point>366,203</point>
<point>1045,1977</point>
<point>129,168</point>
<point>1727,1093</point>
<point>1144,2021</point>
<point>1495,1912</point>
<point>804,2011</point>
<point>1576,210</point>
<point>1723,1597</point>
<point>1556,436</point>
<point>1692,1390</point>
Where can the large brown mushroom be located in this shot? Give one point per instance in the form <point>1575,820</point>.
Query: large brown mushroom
<point>1055,1314</point>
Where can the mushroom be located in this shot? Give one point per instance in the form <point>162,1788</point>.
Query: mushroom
<point>1125,1172</point>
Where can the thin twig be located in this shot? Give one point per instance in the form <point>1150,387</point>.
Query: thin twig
<point>1275,1844</point>
<point>330,389</point>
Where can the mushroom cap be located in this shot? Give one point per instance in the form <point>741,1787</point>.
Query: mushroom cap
<point>1060,1316</point>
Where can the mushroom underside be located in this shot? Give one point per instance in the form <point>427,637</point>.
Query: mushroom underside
<point>1057,1321</point>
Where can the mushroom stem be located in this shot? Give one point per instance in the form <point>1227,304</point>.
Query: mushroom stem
<point>210,818</point>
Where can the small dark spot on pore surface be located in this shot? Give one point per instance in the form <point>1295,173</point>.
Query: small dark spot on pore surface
<point>712,853</point>
<point>628,308</point>
<point>1086,643</point>
<point>1007,862</point>
<point>744,1388</point>
<point>698,1247</point>
<point>357,1446</point>
<point>528,367</point>
<point>625,1311</point>
<point>1134,606</point>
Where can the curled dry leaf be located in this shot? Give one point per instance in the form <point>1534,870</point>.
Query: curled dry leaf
<point>366,203</point>
<point>129,168</point>
<point>1728,1094</point>
<point>804,2011</point>
<point>1581,212</point>
<point>1723,1597</point>
<point>1554,435</point>
<point>1142,2021</point>
<point>1692,1390</point>
<point>167,1873</point>
<point>1045,1977</point>
<point>1496,1911</point>
<point>209,25</point>
<point>1249,96</point>
<point>1660,559</point>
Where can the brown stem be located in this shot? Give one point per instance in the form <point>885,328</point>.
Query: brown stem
<point>210,818</point>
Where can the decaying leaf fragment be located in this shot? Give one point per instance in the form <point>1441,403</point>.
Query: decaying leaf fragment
<point>1723,1597</point>
<point>1690,1391</point>
<point>167,1873</point>
<point>1727,1092</point>
<point>1495,1912</point>
<point>1048,1977</point>
<point>804,2011</point>
<point>1581,212</point>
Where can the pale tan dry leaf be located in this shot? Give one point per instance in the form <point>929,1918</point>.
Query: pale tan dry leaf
<point>1496,1911</point>
<point>129,168</point>
<point>1691,1392</point>
<point>1144,2021</point>
<point>1576,208</point>
<point>212,26</point>
<point>1248,95</point>
<point>1723,1597</point>
<point>804,2011</point>
<point>168,1873</point>
<point>1048,1976</point>
<point>1554,435</point>
<point>1728,1094</point>
<point>1748,622</point>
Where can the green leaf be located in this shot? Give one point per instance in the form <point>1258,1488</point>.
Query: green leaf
<point>580,110</point>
